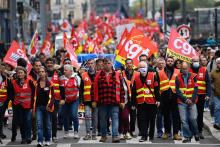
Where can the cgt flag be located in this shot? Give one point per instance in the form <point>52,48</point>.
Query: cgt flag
<point>135,45</point>
<point>178,47</point>
<point>14,53</point>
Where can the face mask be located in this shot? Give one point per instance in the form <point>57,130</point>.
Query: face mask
<point>195,64</point>
<point>143,70</point>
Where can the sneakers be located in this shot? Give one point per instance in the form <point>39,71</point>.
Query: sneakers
<point>54,139</point>
<point>115,139</point>
<point>143,139</point>
<point>197,137</point>
<point>47,143</point>
<point>87,137</point>
<point>133,134</point>
<point>216,126</point>
<point>186,140</point>
<point>76,135</point>
<point>103,139</point>
<point>127,136</point>
<point>40,144</point>
<point>177,137</point>
<point>165,136</point>
<point>94,137</point>
<point>121,136</point>
<point>67,135</point>
<point>201,136</point>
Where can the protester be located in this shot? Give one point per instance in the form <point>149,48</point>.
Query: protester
<point>215,74</point>
<point>43,106</point>
<point>109,94</point>
<point>186,90</point>
<point>146,98</point>
<point>22,94</point>
<point>70,84</point>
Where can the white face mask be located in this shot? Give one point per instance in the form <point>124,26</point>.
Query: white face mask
<point>195,64</point>
<point>143,70</point>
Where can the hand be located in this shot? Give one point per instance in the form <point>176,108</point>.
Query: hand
<point>48,108</point>
<point>189,102</point>
<point>122,105</point>
<point>157,104</point>
<point>62,102</point>
<point>207,98</point>
<point>94,104</point>
<point>133,107</point>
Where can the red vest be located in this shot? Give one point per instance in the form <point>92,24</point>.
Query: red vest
<point>144,94</point>
<point>188,90</point>
<point>56,85</point>
<point>22,94</point>
<point>87,87</point>
<point>118,90</point>
<point>71,89</point>
<point>3,91</point>
<point>165,83</point>
<point>201,80</point>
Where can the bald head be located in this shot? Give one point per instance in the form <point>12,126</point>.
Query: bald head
<point>142,64</point>
<point>195,59</point>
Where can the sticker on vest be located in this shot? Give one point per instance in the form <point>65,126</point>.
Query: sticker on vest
<point>25,86</point>
<point>190,82</point>
<point>55,77</point>
<point>148,82</point>
<point>147,91</point>
<point>86,79</point>
<point>46,88</point>
<point>200,75</point>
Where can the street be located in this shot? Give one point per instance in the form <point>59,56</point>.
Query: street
<point>209,141</point>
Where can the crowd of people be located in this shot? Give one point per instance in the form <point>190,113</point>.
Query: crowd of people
<point>164,92</point>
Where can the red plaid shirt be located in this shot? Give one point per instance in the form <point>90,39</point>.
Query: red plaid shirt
<point>107,89</point>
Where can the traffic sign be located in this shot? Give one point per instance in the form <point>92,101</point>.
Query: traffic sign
<point>185,31</point>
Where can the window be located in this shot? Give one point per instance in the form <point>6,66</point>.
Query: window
<point>56,16</point>
<point>58,2</point>
<point>71,13</point>
<point>71,1</point>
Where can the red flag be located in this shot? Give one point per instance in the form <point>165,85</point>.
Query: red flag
<point>14,53</point>
<point>74,39</point>
<point>122,41</point>
<point>65,26</point>
<point>65,40</point>
<point>72,55</point>
<point>180,48</point>
<point>33,46</point>
<point>47,46</point>
<point>135,45</point>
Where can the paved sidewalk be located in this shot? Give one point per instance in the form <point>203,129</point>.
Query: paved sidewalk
<point>209,126</point>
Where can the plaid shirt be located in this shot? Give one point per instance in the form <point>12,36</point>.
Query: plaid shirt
<point>107,89</point>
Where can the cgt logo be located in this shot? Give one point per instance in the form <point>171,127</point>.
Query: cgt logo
<point>184,47</point>
<point>134,49</point>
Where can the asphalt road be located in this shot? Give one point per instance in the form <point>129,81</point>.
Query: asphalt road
<point>209,141</point>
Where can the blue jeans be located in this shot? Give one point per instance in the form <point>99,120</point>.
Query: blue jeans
<point>91,119</point>
<point>43,116</point>
<point>70,111</point>
<point>107,111</point>
<point>188,116</point>
<point>217,109</point>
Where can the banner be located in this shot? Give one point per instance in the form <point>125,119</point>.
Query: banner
<point>33,46</point>
<point>135,45</point>
<point>178,47</point>
<point>72,55</point>
<point>47,46</point>
<point>14,53</point>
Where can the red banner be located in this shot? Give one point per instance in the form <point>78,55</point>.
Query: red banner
<point>14,53</point>
<point>180,48</point>
<point>135,45</point>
